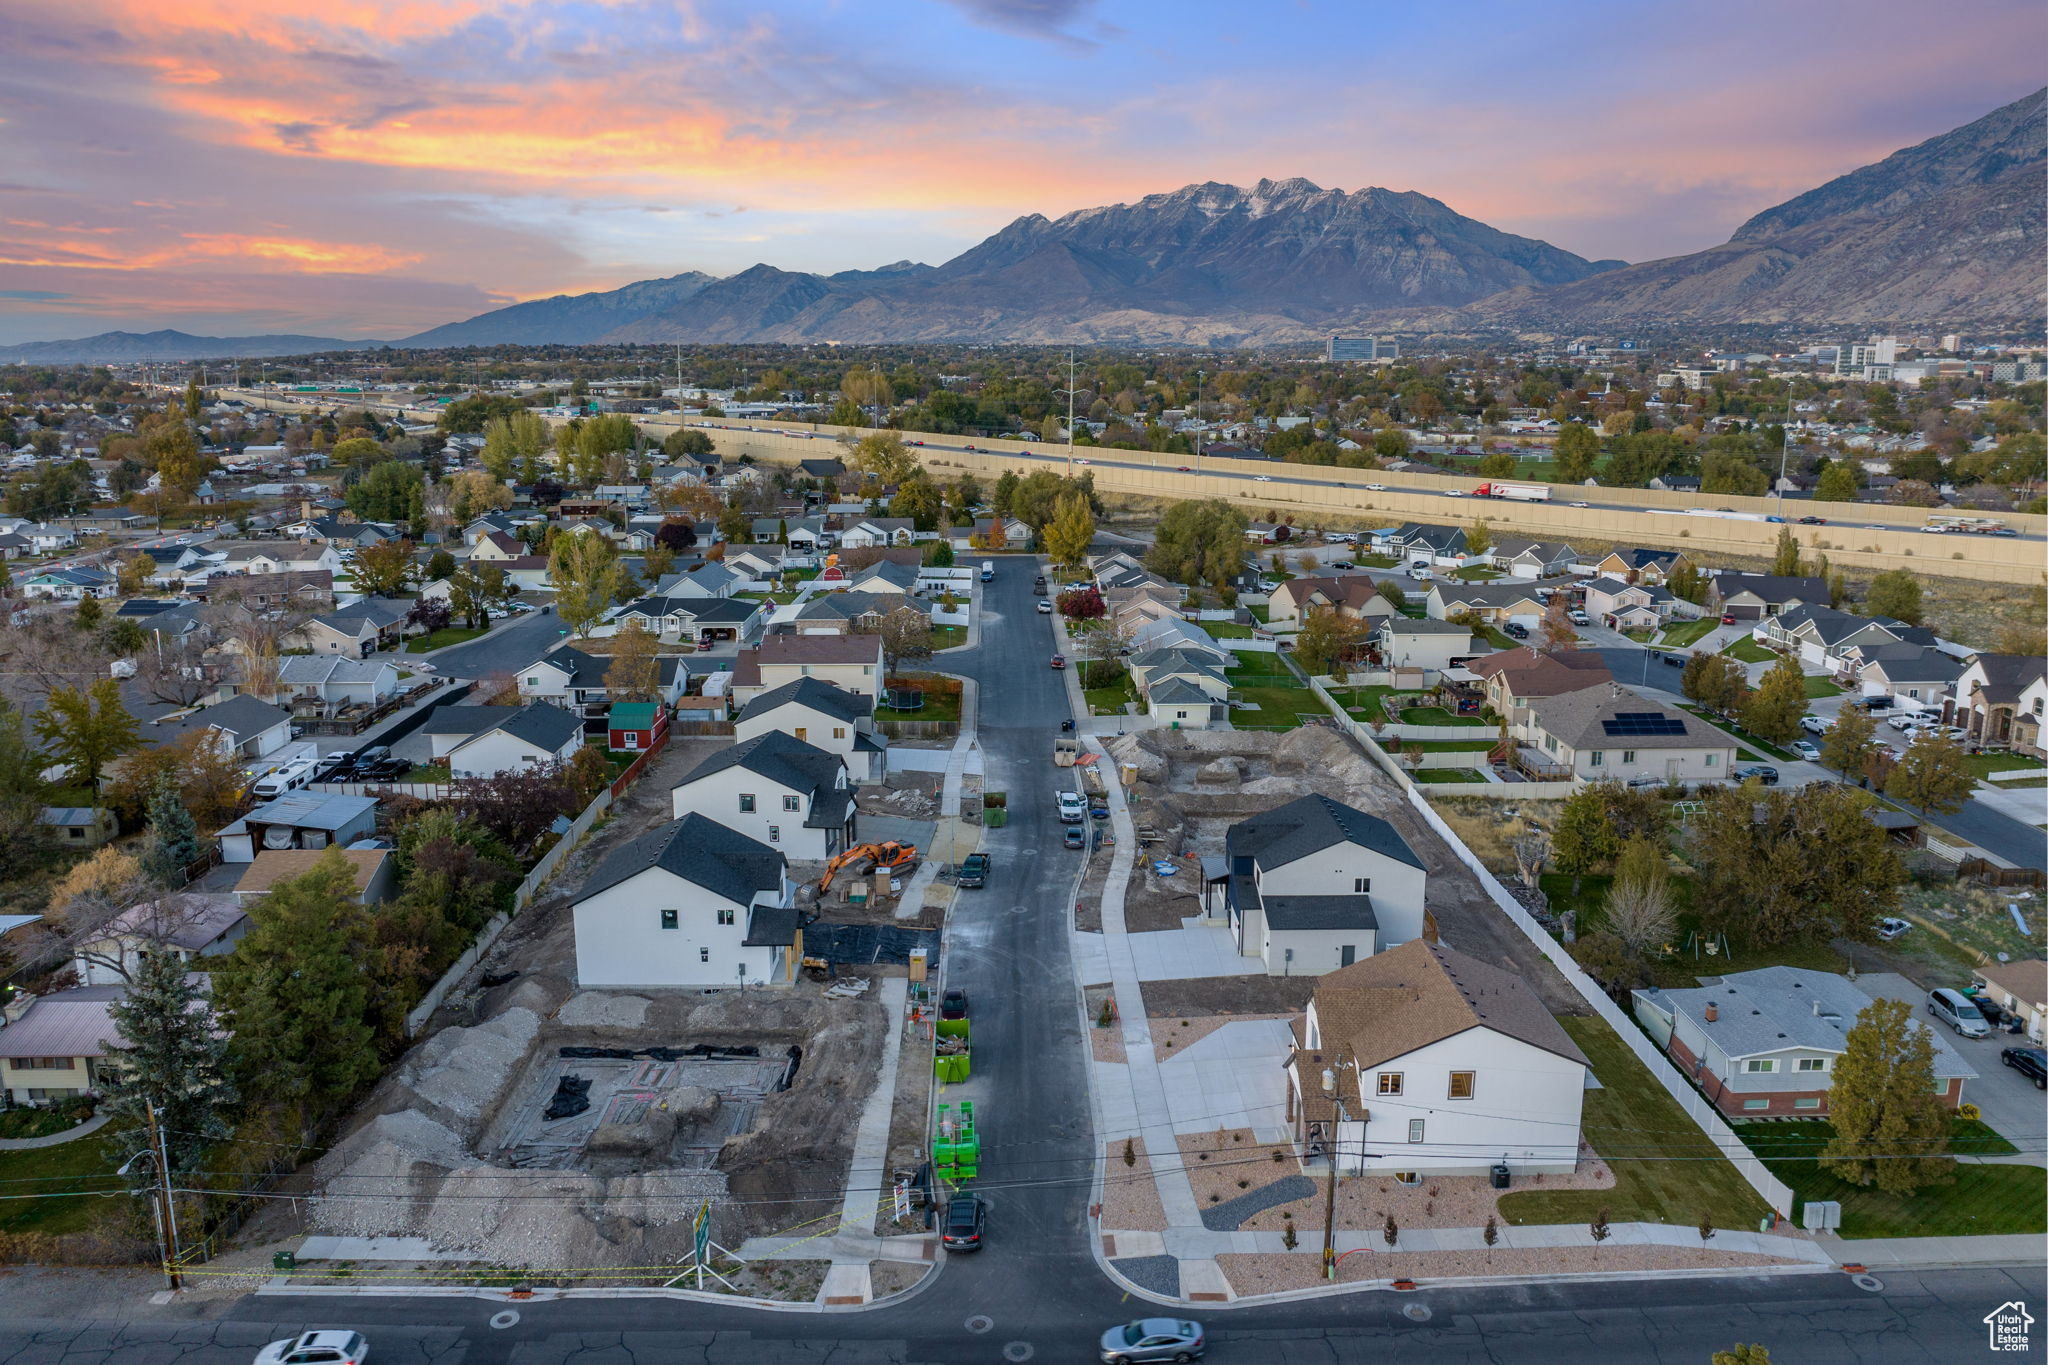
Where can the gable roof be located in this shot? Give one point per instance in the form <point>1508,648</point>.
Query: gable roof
<point>542,724</point>
<point>241,715</point>
<point>189,920</point>
<point>1770,587</point>
<point>1578,719</point>
<point>1532,673</point>
<point>274,865</point>
<point>819,649</point>
<point>1309,824</point>
<point>700,851</point>
<point>313,669</point>
<point>817,694</point>
<point>1406,998</point>
<point>789,762</point>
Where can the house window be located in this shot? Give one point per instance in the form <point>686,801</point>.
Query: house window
<point>1415,1130</point>
<point>1807,1102</point>
<point>668,919</point>
<point>533,682</point>
<point>726,916</point>
<point>1361,885</point>
<point>1712,759</point>
<point>703,954</point>
<point>774,834</point>
<point>1461,1085</point>
<point>1812,1064</point>
<point>746,803</point>
<point>1628,756</point>
<point>801,733</point>
<point>1756,1104</point>
<point>45,1064</point>
<point>1390,1082</point>
<point>1596,759</point>
<point>1757,1066</point>
<point>1407,1178</point>
<point>795,803</point>
<point>75,832</point>
<point>838,732</point>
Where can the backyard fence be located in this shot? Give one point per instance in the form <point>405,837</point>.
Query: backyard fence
<point>1775,1192</point>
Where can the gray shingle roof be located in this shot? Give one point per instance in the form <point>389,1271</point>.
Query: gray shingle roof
<point>1309,824</point>
<point>541,724</point>
<point>1772,1009</point>
<point>1320,912</point>
<point>1575,718</point>
<point>815,693</point>
<point>700,851</point>
<point>789,762</point>
<point>241,716</point>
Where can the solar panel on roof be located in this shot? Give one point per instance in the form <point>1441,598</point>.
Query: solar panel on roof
<point>1637,723</point>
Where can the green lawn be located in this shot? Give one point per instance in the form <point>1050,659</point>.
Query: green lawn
<point>937,706</point>
<point>1498,638</point>
<point>1437,775</point>
<point>948,637</point>
<point>1773,750</point>
<point>1261,613</point>
<point>1980,1200</point>
<point>1749,651</point>
<point>1376,562</point>
<point>441,639</point>
<point>1435,715</point>
<point>1109,701</point>
<point>1688,632</point>
<point>66,1167</point>
<point>1226,630</point>
<point>1475,573</point>
<point>1819,686</point>
<point>1641,637</point>
<point>1983,765</point>
<point>1665,1169</point>
<point>1448,746</point>
<point>1364,703</point>
<point>426,772</point>
<point>1280,699</point>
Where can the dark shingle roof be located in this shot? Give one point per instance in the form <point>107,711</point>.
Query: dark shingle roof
<point>1309,824</point>
<point>1320,912</point>
<point>700,851</point>
<point>542,724</point>
<point>787,761</point>
<point>815,693</point>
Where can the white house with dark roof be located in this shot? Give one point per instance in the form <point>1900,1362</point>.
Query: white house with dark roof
<point>243,726</point>
<point>1424,1061</point>
<point>1315,885</point>
<point>692,904</point>
<point>2002,700</point>
<point>776,789</point>
<point>823,716</point>
<point>484,741</point>
<point>1408,642</point>
<point>1764,1043</point>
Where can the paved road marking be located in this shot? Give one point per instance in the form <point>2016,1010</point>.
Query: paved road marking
<point>508,1318</point>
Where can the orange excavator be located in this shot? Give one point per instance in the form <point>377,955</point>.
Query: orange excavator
<point>885,857</point>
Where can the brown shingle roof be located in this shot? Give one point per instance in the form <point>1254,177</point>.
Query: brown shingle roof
<point>820,649</point>
<point>281,865</point>
<point>1533,674</point>
<point>1421,993</point>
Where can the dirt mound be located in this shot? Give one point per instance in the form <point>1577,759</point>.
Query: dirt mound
<point>458,1075</point>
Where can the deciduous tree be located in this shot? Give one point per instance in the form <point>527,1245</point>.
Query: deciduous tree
<point>1199,542</point>
<point>1584,841</point>
<point>906,634</point>
<point>635,670</point>
<point>1640,910</point>
<point>1772,711</point>
<point>1785,559</point>
<point>1896,593</point>
<point>1715,682</point>
<point>1934,775</point>
<point>585,573</point>
<point>384,568</point>
<point>1578,450</point>
<point>1066,537</point>
<point>884,456</point>
<point>1890,1123</point>
<point>1846,746</point>
<point>1786,866</point>
<point>87,730</point>
<point>1837,483</point>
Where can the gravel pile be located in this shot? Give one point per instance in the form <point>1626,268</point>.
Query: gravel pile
<point>462,1072</point>
<point>600,1009</point>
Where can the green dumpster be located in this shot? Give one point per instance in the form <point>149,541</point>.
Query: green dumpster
<point>995,817</point>
<point>284,1260</point>
<point>952,1028</point>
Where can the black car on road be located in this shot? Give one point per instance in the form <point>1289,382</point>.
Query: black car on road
<point>966,1219</point>
<point>2028,1061</point>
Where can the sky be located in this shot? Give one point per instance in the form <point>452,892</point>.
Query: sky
<point>372,168</point>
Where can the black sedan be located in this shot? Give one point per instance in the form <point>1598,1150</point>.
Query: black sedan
<point>966,1219</point>
<point>1762,772</point>
<point>953,1004</point>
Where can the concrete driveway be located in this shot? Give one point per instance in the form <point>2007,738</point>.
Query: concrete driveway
<point>2010,1102</point>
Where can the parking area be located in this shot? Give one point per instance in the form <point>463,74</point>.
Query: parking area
<point>2009,1101</point>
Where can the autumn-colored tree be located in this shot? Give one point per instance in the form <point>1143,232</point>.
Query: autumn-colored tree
<point>585,572</point>
<point>1846,746</point>
<point>1772,711</point>
<point>635,670</point>
<point>87,730</point>
<point>1933,776</point>
<point>134,574</point>
<point>885,457</point>
<point>1066,537</point>
<point>383,568</point>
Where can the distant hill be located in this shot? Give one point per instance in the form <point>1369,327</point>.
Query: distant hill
<point>565,319</point>
<point>1950,231</point>
<point>114,347</point>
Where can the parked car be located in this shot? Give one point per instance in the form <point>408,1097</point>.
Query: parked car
<point>974,870</point>
<point>1150,1339</point>
<point>1515,630</point>
<point>1891,926</point>
<point>316,1348</point>
<point>1807,750</point>
<point>1074,838</point>
<point>1578,618</point>
<point>370,757</point>
<point>1073,810</point>
<point>966,1216</point>
<point>1059,661</point>
<point>384,770</point>
<point>1342,564</point>
<point>2028,1061</point>
<point>1957,1011</point>
<point>1762,772</point>
<point>1879,703</point>
<point>953,1004</point>
<point>1675,660</point>
<point>1813,725</point>
<point>1904,723</point>
<point>329,768</point>
<point>1045,606</point>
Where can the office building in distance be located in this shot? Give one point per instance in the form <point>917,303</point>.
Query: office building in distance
<point>1362,348</point>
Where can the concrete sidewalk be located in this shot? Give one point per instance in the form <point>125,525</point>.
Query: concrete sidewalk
<point>1196,1243</point>
<point>1932,1253</point>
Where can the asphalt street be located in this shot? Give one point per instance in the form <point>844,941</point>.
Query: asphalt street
<point>509,647</point>
<point>1035,1293</point>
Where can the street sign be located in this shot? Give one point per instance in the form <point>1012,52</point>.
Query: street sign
<point>700,1233</point>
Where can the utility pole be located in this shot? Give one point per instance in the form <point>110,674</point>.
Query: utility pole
<point>1069,392</point>
<point>1198,426</point>
<point>1334,1149</point>
<point>160,1195</point>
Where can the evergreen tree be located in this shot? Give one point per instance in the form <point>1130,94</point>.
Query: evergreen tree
<point>1585,839</point>
<point>1785,562</point>
<point>1891,1125</point>
<point>172,1057</point>
<point>173,843</point>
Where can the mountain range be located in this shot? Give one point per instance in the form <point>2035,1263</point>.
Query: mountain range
<point>1950,231</point>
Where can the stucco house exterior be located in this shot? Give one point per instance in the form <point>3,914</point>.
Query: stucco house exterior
<point>1406,642</point>
<point>853,662</point>
<point>2002,700</point>
<point>1423,1061</point>
<point>824,716</point>
<point>190,924</point>
<point>1315,885</point>
<point>1764,1043</point>
<point>692,904</point>
<point>1628,606</point>
<point>776,790</point>
<point>1608,733</point>
<point>2019,988</point>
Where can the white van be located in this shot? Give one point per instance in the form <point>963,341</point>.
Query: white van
<point>289,778</point>
<point>988,571</point>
